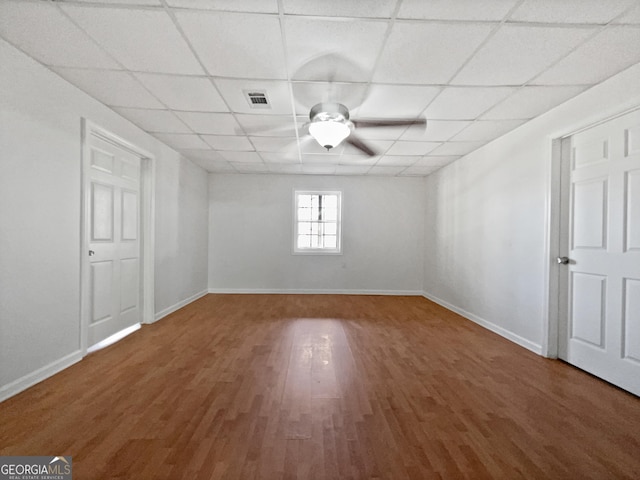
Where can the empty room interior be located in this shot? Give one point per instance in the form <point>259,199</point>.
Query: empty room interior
<point>278,239</point>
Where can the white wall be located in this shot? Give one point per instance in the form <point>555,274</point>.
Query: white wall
<point>182,233</point>
<point>250,236</point>
<point>40,149</point>
<point>486,241</point>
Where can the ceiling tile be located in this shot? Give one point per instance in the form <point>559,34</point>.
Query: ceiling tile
<point>397,161</point>
<point>58,41</point>
<point>184,93</point>
<point>142,40</point>
<point>242,157</point>
<point>200,154</point>
<point>486,130</point>
<point>340,8</point>
<point>465,103</point>
<point>124,2</point>
<point>458,10</point>
<point>251,167</point>
<point>116,89</point>
<point>236,44</point>
<point>214,166</point>
<point>517,53</point>
<point>418,171</point>
<point>396,101</point>
<point>208,159</point>
<point>281,157</point>
<point>318,169</point>
<point>435,131</point>
<point>268,125</point>
<point>181,140</point>
<point>613,50</point>
<point>380,133</point>
<point>436,161</point>
<point>427,53</point>
<point>531,101</point>
<point>233,91</point>
<point>274,144</point>
<point>352,169</point>
<point>380,146</point>
<point>456,148</point>
<point>154,120</point>
<point>358,42</point>
<point>229,142</point>
<point>320,159</point>
<point>403,147</point>
<point>308,94</point>
<point>332,67</point>
<point>286,168</point>
<point>569,11</point>
<point>364,160</point>
<point>391,171</point>
<point>211,123</point>
<point>258,6</point>
<point>631,17</point>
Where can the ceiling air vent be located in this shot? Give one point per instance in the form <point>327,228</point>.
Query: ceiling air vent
<point>257,98</point>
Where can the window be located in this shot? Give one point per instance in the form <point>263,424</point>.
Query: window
<point>317,222</point>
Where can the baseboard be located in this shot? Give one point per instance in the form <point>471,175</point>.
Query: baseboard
<point>179,305</point>
<point>523,342</point>
<point>281,291</point>
<point>47,371</point>
<point>39,375</point>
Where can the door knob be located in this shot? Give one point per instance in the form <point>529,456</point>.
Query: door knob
<point>562,260</point>
<point>91,253</point>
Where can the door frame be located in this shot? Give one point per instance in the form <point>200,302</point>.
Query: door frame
<point>147,226</point>
<point>556,291</point>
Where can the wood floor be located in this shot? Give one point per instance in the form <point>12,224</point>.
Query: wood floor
<point>324,387</point>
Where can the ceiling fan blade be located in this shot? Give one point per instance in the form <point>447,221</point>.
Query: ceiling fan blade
<point>329,78</point>
<point>398,122</point>
<point>354,140</point>
<point>331,67</point>
<point>289,152</point>
<point>304,142</point>
<point>282,130</point>
<point>296,148</point>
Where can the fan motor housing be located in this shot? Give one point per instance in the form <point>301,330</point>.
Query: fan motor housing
<point>335,112</point>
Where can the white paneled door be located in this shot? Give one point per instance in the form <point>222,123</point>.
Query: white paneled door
<point>601,303</point>
<point>112,203</point>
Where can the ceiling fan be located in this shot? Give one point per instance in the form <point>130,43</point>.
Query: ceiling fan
<point>329,124</point>
<point>329,121</point>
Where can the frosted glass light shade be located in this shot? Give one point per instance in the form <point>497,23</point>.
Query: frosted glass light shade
<point>329,134</point>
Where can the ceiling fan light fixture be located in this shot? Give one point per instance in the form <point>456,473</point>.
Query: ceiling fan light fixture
<point>329,133</point>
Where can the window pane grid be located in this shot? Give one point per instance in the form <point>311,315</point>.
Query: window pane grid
<point>317,221</point>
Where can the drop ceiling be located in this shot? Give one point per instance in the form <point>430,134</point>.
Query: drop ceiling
<point>181,69</point>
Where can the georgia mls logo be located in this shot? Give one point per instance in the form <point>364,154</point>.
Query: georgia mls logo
<point>36,468</point>
<point>64,464</point>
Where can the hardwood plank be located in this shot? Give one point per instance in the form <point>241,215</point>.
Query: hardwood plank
<point>324,387</point>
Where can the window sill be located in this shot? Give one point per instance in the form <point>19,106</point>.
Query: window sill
<point>316,252</point>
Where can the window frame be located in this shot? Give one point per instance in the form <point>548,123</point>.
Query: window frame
<point>316,251</point>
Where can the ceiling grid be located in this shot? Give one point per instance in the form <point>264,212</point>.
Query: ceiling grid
<point>474,69</point>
